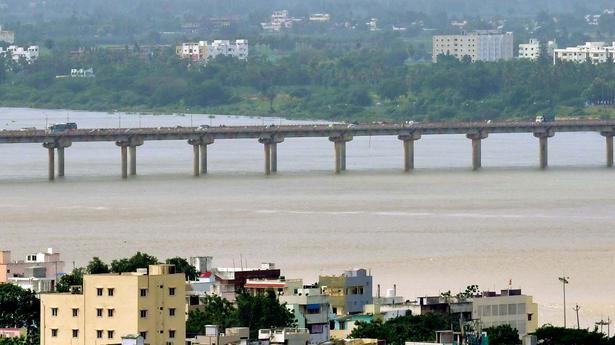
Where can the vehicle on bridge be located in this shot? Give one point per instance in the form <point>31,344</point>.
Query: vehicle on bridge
<point>68,127</point>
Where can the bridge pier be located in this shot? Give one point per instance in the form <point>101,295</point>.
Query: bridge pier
<point>477,138</point>
<point>59,145</point>
<point>408,140</point>
<point>270,146</point>
<point>50,146</point>
<point>199,154</point>
<point>609,148</point>
<point>340,151</point>
<point>543,142</point>
<point>128,155</point>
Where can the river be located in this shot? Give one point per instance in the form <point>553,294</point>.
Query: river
<point>439,228</point>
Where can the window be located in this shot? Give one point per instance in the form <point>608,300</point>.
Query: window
<point>110,292</point>
<point>110,334</point>
<point>143,314</point>
<point>54,332</point>
<point>99,334</point>
<point>172,333</point>
<point>99,312</point>
<point>172,291</point>
<point>54,311</point>
<point>143,292</point>
<point>99,292</point>
<point>110,312</point>
<point>75,312</point>
<point>171,311</point>
<point>75,333</point>
<point>529,317</point>
<point>143,334</point>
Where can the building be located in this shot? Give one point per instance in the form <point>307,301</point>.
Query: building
<point>109,307</point>
<point>285,336</point>
<point>231,336</point>
<point>312,310</point>
<point>372,25</point>
<point>229,281</point>
<point>19,54</point>
<point>593,52</point>
<point>348,292</point>
<point>13,332</point>
<point>320,17</point>
<point>510,307</point>
<point>481,45</point>
<point>202,51</point>
<point>38,272</point>
<point>193,51</point>
<point>82,73</point>
<point>7,36</point>
<point>280,20</point>
<point>533,49</point>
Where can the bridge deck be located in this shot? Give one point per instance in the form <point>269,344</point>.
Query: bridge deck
<point>297,131</point>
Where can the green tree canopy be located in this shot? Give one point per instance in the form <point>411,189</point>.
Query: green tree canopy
<point>139,260</point>
<point>19,308</point>
<point>183,266</point>
<point>401,329</point>
<point>550,335</point>
<point>503,335</point>
<point>74,278</point>
<point>97,266</point>
<point>263,311</point>
<point>215,311</point>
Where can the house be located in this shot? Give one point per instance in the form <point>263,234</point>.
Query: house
<point>38,272</point>
<point>348,292</point>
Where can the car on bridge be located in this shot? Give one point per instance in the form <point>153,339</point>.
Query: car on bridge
<point>68,127</point>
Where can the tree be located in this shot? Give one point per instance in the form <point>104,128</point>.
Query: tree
<point>503,335</point>
<point>139,260</point>
<point>262,311</point>
<point>20,308</point>
<point>182,266</point>
<point>550,335</point>
<point>75,278</point>
<point>215,311</point>
<point>97,266</point>
<point>401,329</point>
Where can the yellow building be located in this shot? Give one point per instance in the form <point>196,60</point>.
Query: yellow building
<point>510,307</point>
<point>109,306</point>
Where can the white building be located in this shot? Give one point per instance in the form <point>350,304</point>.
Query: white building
<point>19,54</point>
<point>482,45</point>
<point>312,311</point>
<point>594,52</point>
<point>532,50</point>
<point>279,20</point>
<point>320,17</point>
<point>372,25</point>
<point>7,36</point>
<point>38,272</point>
<point>82,73</point>
<point>202,51</point>
<point>510,307</point>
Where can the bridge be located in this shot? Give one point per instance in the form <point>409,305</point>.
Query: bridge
<point>128,139</point>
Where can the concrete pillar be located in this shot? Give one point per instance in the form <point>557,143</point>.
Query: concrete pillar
<point>203,150</point>
<point>196,166</point>
<point>343,155</point>
<point>133,159</point>
<point>340,151</point>
<point>408,141</point>
<point>270,145</point>
<point>60,161</point>
<point>124,157</point>
<point>274,157</point>
<point>50,146</point>
<point>476,138</point>
<point>267,148</point>
<point>543,141</point>
<point>609,148</point>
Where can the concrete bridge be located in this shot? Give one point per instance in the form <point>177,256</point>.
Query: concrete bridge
<point>129,139</point>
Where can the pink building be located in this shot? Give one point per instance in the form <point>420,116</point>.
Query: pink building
<point>37,272</point>
<point>12,332</point>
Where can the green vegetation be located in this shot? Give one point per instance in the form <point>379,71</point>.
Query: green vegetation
<point>503,335</point>
<point>256,312</point>
<point>401,329</point>
<point>19,308</point>
<point>550,335</point>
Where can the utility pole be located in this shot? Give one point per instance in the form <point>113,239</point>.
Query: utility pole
<point>602,323</point>
<point>576,309</point>
<point>564,281</point>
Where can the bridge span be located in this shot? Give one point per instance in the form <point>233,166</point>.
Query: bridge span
<point>128,139</point>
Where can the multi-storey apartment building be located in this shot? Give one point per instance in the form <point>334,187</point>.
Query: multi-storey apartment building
<point>202,51</point>
<point>7,36</point>
<point>149,303</point>
<point>593,52</point>
<point>482,45</point>
<point>349,292</point>
<point>534,47</point>
<point>510,307</point>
